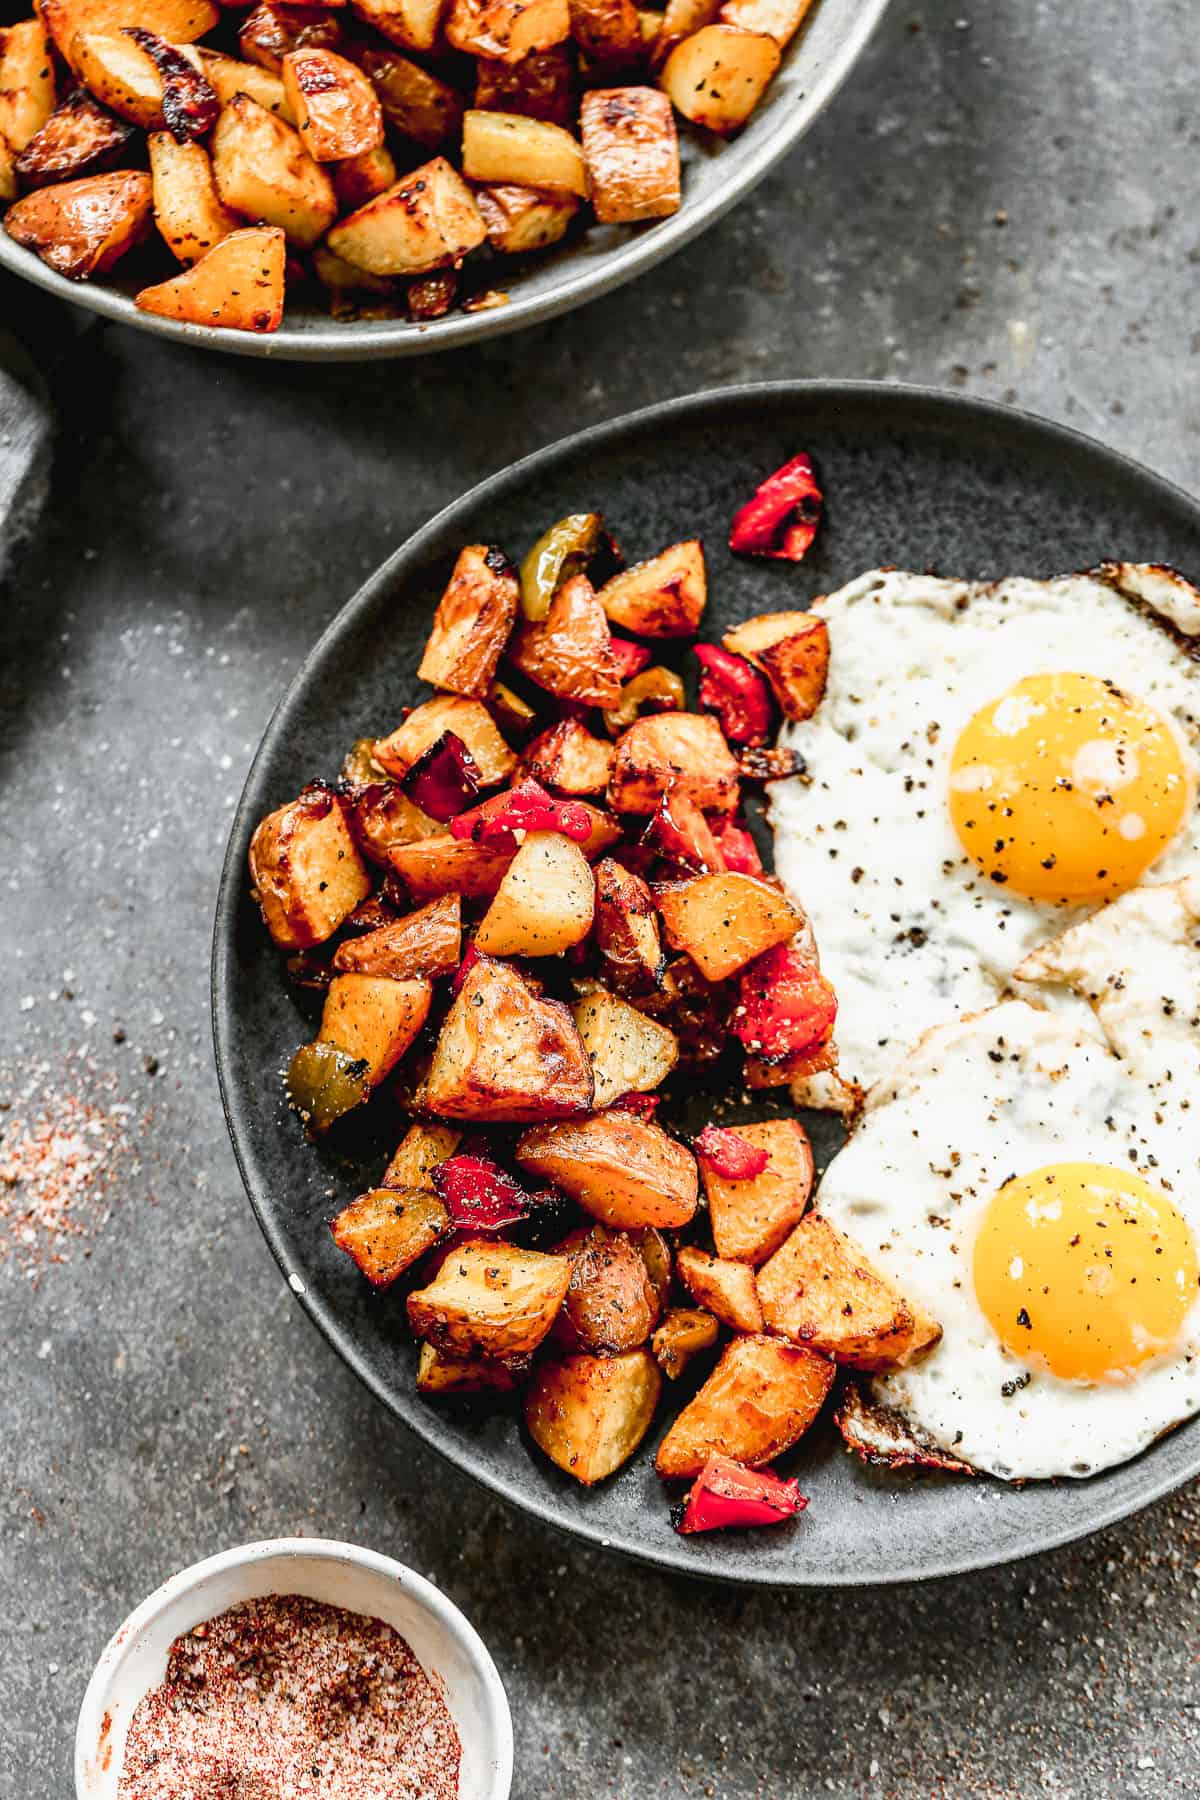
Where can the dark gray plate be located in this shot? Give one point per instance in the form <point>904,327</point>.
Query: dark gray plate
<point>911,477</point>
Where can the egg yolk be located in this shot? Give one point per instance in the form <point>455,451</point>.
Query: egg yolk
<point>1067,789</point>
<point>1084,1270</point>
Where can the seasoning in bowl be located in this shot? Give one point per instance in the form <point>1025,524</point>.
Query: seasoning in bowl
<point>283,1697</point>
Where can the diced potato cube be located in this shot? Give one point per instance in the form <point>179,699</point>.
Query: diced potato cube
<point>272,30</point>
<point>79,138</point>
<point>386,1230</point>
<point>679,19</point>
<point>307,875</point>
<point>627,934</point>
<point>792,650</point>
<point>569,652</point>
<point>420,1151</point>
<point>630,1053</point>
<point>336,108</point>
<point>413,24</point>
<point>357,179</point>
<point>725,1289</point>
<point>750,1219</point>
<point>544,904</point>
<point>469,720</point>
<point>227,76</point>
<point>237,284</point>
<point>505,147</point>
<point>415,103</point>
<point>490,1299</point>
<point>541,85</point>
<point>724,921</point>
<point>447,865</point>
<point>682,751</point>
<point>82,228</point>
<point>569,759</point>
<point>119,73</point>
<point>427,221</point>
<point>472,623</point>
<point>759,1400</point>
<point>373,1019</point>
<point>520,220</point>
<point>664,597</point>
<point>263,170</point>
<point>717,76</point>
<point>507,30</point>
<point>625,1171</point>
<point>187,208</point>
<point>382,815</point>
<point>506,1053</point>
<point>780,19</point>
<point>588,1414</point>
<point>612,1303</point>
<point>819,1289</point>
<point>632,155</point>
<point>439,1373</point>
<point>684,1333</point>
<point>26,82</point>
<point>176,21</point>
<point>426,943</point>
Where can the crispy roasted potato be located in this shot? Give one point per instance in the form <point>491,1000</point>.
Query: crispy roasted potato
<point>415,103</point>
<point>438,1373</point>
<point>468,719</point>
<point>382,817</point>
<point>611,1304</point>
<point>569,652</point>
<point>490,1299</point>
<point>119,73</point>
<point>819,1289</point>
<point>605,831</point>
<point>237,284</point>
<point>792,650</point>
<point>175,21</point>
<point>79,138</point>
<point>569,759</point>
<point>357,179</point>
<point>541,85</point>
<point>188,209</point>
<point>608,32</point>
<point>335,105</point>
<point>750,1219</point>
<point>520,219</point>
<point>679,19</point>
<point>630,1053</point>
<point>759,1400</point>
<point>374,1019</point>
<point>81,228</point>
<point>447,865</point>
<point>588,1414</point>
<point>506,1053</point>
<point>427,221</point>
<point>26,82</point>
<point>426,943</point>
<point>413,24</point>
<point>677,750</point>
<point>8,173</point>
<point>508,147</point>
<point>780,19</point>
<point>625,1171</point>
<point>263,170</point>
<point>418,1154</point>
<point>387,1229</point>
<point>724,921</point>
<point>507,30</point>
<point>306,874</point>
<point>664,597</point>
<point>227,76</point>
<point>472,623</point>
<point>626,928</point>
<point>544,904</point>
<point>272,31</point>
<point>725,1289</point>
<point>684,1333</point>
<point>717,76</point>
<point>632,156</point>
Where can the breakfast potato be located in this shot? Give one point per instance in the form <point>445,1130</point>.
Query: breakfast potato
<point>569,652</point>
<point>508,147</point>
<point>680,19</point>
<point>520,220</point>
<point>8,173</point>
<point>342,278</point>
<point>438,1373</point>
<point>541,85</point>
<point>119,73</point>
<point>504,1052</point>
<point>507,30</point>
<point>624,1171</point>
<point>545,902</point>
<point>272,31</point>
<point>415,102</point>
<point>684,1333</point>
<point>569,759</point>
<point>759,1400</point>
<point>886,1440</point>
<point>426,944</point>
<point>679,751</point>
<point>750,1219</point>
<point>724,921</point>
<point>357,179</point>
<point>428,220</point>
<point>374,1019</point>
<point>662,598</point>
<point>227,76</point>
<point>336,108</point>
<point>79,138</point>
<point>819,1289</point>
<point>626,928</point>
<point>490,1299</point>
<point>175,21</point>
<point>413,24</point>
<point>725,1289</point>
<point>446,865</point>
<point>386,1230</point>
<point>631,151</point>
<point>606,831</point>
<point>630,1053</point>
<point>305,872</point>
<point>792,650</point>
<point>717,76</point>
<point>472,623</point>
<point>187,207</point>
<point>780,19</point>
<point>382,817</point>
<point>607,32</point>
<point>469,720</point>
<point>420,1151</point>
<point>263,170</point>
<point>27,87</point>
<point>611,1304</point>
<point>588,1414</point>
<point>238,284</point>
<point>82,228</point>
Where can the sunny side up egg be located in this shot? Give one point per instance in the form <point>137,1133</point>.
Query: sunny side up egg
<point>989,763</point>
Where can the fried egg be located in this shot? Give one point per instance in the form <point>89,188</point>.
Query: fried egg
<point>990,762</point>
<point>1033,1184</point>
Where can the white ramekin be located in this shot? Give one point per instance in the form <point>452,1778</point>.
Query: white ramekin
<point>448,1648</point>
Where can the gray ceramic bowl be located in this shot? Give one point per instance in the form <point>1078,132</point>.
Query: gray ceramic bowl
<point>716,175</point>
<point>911,477</point>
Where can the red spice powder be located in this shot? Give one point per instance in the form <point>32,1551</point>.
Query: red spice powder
<point>286,1697</point>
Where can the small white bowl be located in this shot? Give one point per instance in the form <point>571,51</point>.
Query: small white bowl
<point>447,1647</point>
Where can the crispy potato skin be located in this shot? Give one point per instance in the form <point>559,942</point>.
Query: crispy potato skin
<point>608,32</point>
<point>27,83</point>
<point>79,138</point>
<point>819,1289</point>
<point>569,759</point>
<point>507,1054</point>
<point>632,154</point>
<point>665,596</point>
<point>336,108</point>
<point>472,623</point>
<point>588,1414</point>
<point>414,101</point>
<point>176,21</point>
<point>490,1299</point>
<point>792,650</point>
<point>683,1334</point>
<point>541,85</point>
<point>374,1019</point>
<point>569,652</point>
<point>625,1171</point>
<point>383,818</point>
<point>724,921</point>
<point>507,30</point>
<point>717,76</point>
<point>386,1230</point>
<point>759,1400</point>
<point>520,219</point>
<point>611,1304</point>
<point>626,928</point>
<point>270,32</point>
<point>439,1373</point>
<point>305,872</point>
<point>469,720</point>
<point>82,228</point>
<point>684,751</point>
<point>750,1219</point>
<point>434,866</point>
<point>725,1289</point>
<point>237,284</point>
<point>425,943</point>
<point>545,903</point>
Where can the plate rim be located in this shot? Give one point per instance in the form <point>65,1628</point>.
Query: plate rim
<point>668,1558</point>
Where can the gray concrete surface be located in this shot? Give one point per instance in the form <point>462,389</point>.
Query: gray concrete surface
<point>1002,198</point>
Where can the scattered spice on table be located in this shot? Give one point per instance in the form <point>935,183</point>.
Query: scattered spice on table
<point>286,1697</point>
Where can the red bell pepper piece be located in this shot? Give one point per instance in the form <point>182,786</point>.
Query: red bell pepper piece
<point>444,779</point>
<point>478,1195</point>
<point>631,658</point>
<point>787,1007</point>
<point>679,831</point>
<point>729,1155</point>
<point>725,1494</point>
<point>526,807</point>
<point>781,520</point>
<point>737,693</point>
<point>737,847</point>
